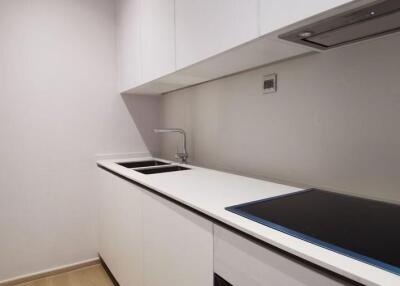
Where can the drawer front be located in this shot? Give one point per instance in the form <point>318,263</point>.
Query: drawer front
<point>244,263</point>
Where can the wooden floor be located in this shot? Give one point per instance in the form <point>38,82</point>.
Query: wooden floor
<point>89,276</point>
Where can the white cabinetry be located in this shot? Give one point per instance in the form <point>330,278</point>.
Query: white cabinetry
<point>164,45</point>
<point>120,229</point>
<point>145,41</point>
<point>278,14</point>
<point>158,38</point>
<point>243,262</point>
<point>207,27</point>
<point>147,240</point>
<point>178,245</point>
<point>128,43</point>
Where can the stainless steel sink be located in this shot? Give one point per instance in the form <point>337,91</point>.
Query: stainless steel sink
<point>165,169</point>
<point>141,164</point>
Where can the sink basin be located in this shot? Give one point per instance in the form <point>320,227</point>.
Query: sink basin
<point>141,164</point>
<point>162,170</point>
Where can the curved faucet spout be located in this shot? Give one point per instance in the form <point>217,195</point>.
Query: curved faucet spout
<point>184,155</point>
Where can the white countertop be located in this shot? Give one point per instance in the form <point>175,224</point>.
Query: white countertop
<point>210,192</point>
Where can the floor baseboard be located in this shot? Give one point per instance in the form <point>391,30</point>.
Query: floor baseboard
<point>49,272</point>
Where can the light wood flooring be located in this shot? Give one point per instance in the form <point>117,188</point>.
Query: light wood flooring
<point>89,276</point>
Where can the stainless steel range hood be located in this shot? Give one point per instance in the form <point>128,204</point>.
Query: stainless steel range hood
<point>376,19</point>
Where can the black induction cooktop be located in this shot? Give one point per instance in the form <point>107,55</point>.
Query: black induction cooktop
<point>364,229</point>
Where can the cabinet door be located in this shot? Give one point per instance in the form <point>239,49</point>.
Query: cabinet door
<point>178,245</point>
<point>207,27</point>
<point>158,38</point>
<point>128,43</point>
<point>278,14</point>
<point>242,263</point>
<point>120,225</point>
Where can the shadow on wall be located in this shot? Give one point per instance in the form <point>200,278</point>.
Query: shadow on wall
<point>145,112</point>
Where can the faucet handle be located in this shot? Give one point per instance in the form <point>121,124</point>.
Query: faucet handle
<point>182,156</point>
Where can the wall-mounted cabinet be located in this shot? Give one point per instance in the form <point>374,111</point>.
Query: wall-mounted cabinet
<point>253,54</point>
<point>205,28</point>
<point>145,41</point>
<point>128,44</point>
<point>158,38</point>
<point>165,45</point>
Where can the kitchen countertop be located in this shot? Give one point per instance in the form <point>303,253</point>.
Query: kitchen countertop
<point>210,192</point>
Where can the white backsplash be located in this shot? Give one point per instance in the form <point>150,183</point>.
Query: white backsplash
<point>333,123</point>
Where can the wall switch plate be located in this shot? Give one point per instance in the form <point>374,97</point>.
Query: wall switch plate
<point>270,83</point>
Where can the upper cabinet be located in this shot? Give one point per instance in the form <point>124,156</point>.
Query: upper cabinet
<point>278,14</point>
<point>158,38</point>
<point>205,28</point>
<point>128,44</point>
<point>164,45</point>
<point>145,41</point>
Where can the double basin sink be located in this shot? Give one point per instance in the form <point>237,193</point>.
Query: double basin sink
<point>148,167</point>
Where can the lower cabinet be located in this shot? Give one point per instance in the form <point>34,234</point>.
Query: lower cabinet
<point>148,240</point>
<point>242,262</point>
<point>121,229</point>
<point>178,245</point>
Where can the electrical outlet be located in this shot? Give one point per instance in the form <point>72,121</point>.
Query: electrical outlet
<point>270,83</point>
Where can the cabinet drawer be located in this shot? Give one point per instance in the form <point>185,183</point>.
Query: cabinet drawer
<point>245,263</point>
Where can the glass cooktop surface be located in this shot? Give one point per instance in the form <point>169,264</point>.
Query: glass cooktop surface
<point>363,229</point>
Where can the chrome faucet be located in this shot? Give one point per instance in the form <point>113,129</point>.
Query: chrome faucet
<point>183,156</point>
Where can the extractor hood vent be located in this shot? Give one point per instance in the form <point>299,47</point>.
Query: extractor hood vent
<point>356,25</point>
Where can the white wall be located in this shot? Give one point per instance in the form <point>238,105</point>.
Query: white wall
<point>58,108</point>
<point>334,122</point>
